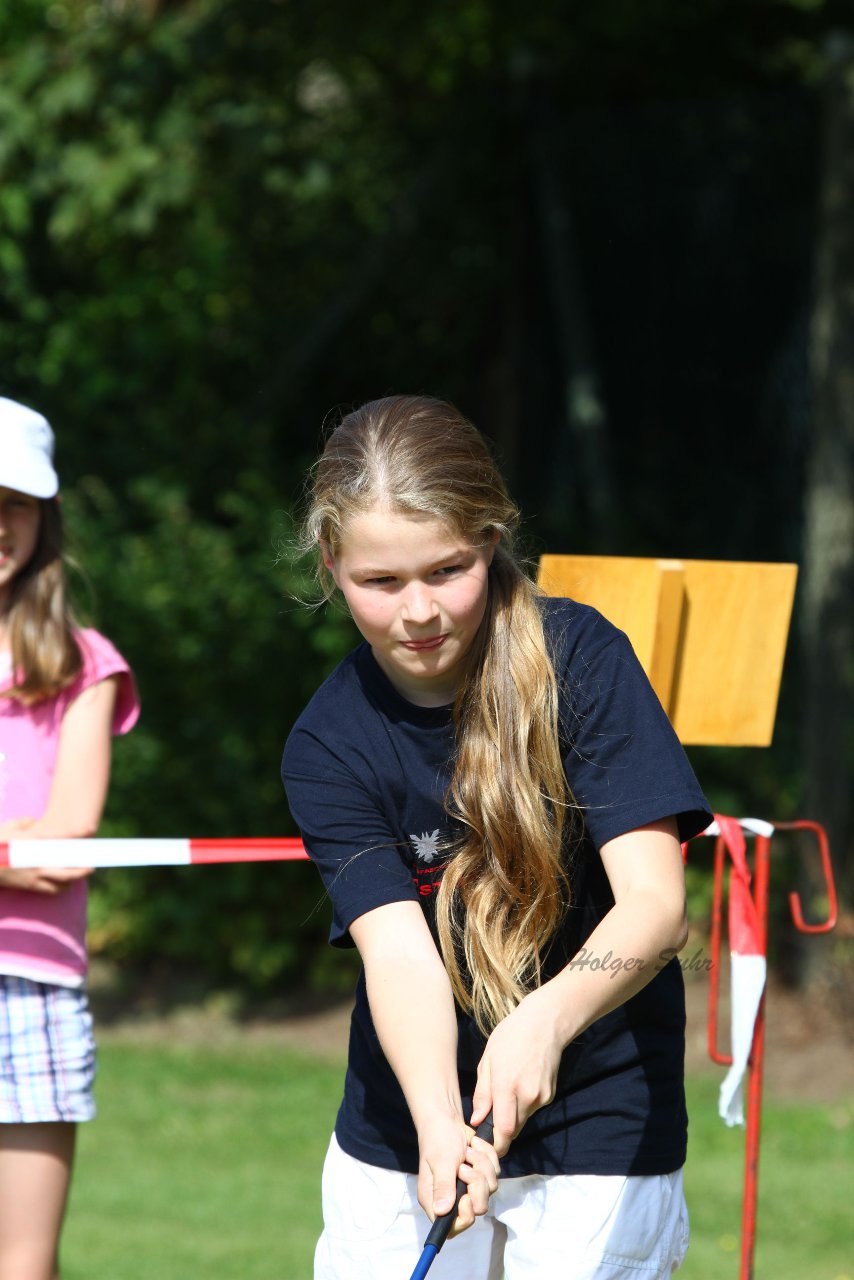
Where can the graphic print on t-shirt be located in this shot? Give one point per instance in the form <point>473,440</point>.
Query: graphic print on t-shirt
<point>426,845</point>
<point>428,872</point>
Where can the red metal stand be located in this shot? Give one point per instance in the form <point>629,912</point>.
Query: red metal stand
<point>761,880</point>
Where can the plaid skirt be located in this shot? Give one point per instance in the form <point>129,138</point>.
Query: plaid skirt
<point>47,1053</point>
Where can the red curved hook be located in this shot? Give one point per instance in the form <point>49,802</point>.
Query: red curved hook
<point>827,867</point>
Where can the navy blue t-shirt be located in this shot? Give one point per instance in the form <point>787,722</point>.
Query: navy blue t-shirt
<point>366,773</point>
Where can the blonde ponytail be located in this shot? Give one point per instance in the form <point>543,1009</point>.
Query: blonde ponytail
<point>506,889</point>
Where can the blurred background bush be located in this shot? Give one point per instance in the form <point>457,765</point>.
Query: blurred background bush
<point>619,236</point>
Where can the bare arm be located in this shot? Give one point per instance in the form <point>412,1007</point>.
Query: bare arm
<point>78,791</point>
<point>646,925</point>
<point>413,1012</point>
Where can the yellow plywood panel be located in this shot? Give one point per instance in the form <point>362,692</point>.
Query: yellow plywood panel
<point>641,597</point>
<point>711,634</point>
<point>668,629</point>
<point>729,667</point>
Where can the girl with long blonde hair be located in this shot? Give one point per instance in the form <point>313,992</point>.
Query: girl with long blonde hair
<point>495,801</point>
<point>64,690</point>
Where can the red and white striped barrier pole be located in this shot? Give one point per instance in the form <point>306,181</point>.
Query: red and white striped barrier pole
<point>107,852</point>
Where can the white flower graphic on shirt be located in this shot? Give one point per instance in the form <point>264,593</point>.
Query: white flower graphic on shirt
<point>426,845</point>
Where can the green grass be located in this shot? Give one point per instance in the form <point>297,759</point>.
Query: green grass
<point>806,1172</point>
<point>205,1162</point>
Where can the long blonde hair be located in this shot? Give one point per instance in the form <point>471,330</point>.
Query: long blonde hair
<point>45,654</point>
<point>505,889</point>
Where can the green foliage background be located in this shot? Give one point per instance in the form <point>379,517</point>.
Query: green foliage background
<point>222,219</point>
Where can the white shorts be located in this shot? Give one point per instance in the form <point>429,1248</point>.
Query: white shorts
<point>580,1227</point>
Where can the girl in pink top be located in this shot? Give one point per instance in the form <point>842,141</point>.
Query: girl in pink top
<point>63,693</point>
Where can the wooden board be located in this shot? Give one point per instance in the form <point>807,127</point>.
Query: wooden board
<point>710,634</point>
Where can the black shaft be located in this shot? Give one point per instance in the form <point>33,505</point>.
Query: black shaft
<point>442,1225</point>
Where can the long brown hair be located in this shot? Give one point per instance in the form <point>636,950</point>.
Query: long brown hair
<point>45,655</point>
<point>505,890</point>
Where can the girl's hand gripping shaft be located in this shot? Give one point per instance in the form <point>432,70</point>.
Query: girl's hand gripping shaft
<point>438,1233</point>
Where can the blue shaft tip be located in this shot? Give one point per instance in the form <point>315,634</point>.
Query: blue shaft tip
<point>424,1262</point>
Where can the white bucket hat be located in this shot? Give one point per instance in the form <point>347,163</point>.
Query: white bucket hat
<point>26,451</point>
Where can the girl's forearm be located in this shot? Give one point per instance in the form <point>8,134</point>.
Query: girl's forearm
<point>413,1013</point>
<point>411,1005</point>
<point>57,826</point>
<point>633,943</point>
<point>646,926</point>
